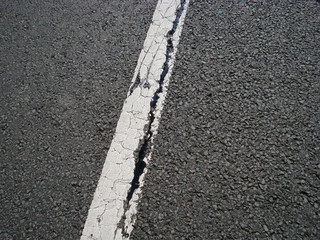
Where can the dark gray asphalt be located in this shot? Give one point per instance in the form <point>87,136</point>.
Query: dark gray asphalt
<point>65,69</point>
<point>237,154</point>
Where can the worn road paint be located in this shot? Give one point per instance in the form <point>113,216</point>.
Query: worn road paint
<point>108,204</point>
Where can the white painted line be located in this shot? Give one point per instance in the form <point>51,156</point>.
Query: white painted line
<point>108,205</point>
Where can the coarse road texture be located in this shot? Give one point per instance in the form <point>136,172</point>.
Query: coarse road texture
<point>66,67</point>
<point>237,154</point>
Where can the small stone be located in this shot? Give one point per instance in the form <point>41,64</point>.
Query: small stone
<point>254,65</point>
<point>243,225</point>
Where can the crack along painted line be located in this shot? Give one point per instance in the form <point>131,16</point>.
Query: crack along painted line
<point>117,193</point>
<point>156,106</point>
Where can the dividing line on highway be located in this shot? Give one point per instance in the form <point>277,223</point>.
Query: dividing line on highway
<point>114,205</point>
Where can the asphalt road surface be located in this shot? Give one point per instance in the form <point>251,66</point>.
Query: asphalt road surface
<point>237,152</point>
<point>66,67</point>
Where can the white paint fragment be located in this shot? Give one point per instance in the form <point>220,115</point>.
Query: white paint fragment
<point>107,206</point>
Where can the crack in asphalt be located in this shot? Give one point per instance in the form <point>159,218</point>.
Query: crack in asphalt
<point>144,147</point>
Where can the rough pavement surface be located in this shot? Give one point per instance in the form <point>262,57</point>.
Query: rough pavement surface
<point>66,67</point>
<point>237,154</point>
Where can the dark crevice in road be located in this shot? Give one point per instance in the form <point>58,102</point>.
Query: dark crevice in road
<point>136,83</point>
<point>144,146</point>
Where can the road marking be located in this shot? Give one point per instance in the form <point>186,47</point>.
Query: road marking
<point>114,205</point>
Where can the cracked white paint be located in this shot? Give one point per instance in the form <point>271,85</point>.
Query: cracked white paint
<point>107,206</point>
